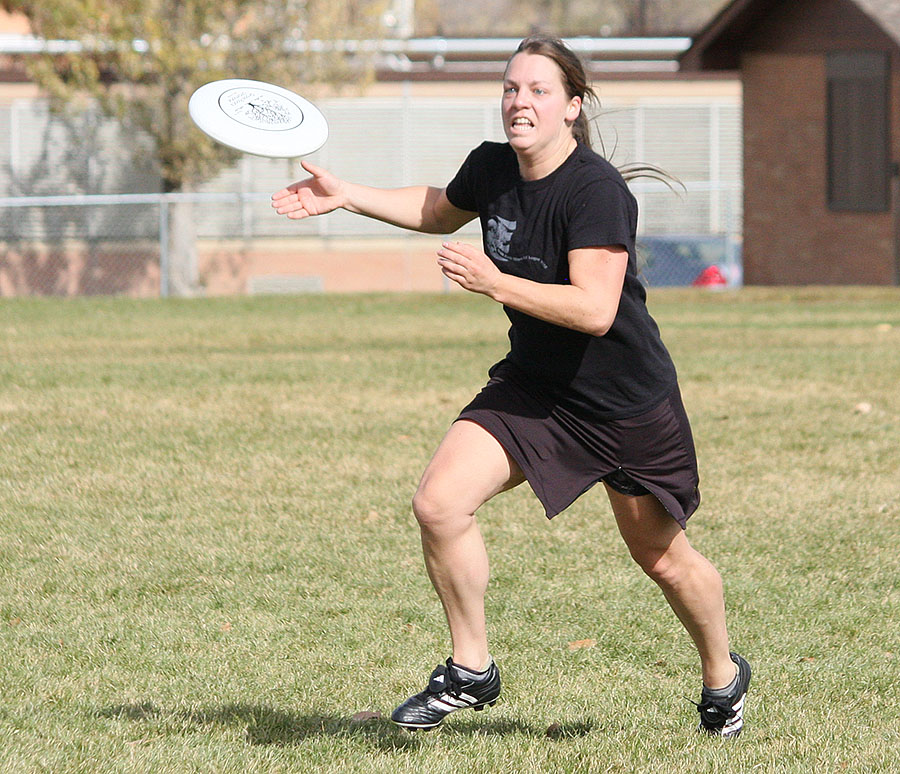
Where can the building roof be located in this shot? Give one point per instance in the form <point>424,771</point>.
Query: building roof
<point>886,13</point>
<point>410,57</point>
<point>442,58</point>
<point>728,27</point>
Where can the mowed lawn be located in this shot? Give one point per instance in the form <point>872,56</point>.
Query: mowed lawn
<point>208,561</point>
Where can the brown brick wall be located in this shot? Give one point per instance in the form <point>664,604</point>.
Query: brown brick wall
<point>790,236</point>
<point>227,267</point>
<point>342,266</point>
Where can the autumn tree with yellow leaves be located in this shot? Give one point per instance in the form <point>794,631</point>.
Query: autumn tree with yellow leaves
<point>142,59</point>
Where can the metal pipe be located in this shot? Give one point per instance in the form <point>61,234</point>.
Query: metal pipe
<point>598,47</point>
<point>895,198</point>
<point>163,248</point>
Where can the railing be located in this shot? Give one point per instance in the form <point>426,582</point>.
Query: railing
<point>178,243</point>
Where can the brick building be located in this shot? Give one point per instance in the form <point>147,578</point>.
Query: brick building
<point>821,90</point>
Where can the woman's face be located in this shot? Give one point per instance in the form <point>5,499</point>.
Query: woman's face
<point>537,111</point>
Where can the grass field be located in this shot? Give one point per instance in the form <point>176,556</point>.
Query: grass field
<point>208,561</point>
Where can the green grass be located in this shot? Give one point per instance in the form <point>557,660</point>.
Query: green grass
<point>208,562</point>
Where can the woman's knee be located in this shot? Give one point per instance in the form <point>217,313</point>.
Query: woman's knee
<point>655,562</point>
<point>435,507</point>
<point>425,505</point>
<point>671,568</point>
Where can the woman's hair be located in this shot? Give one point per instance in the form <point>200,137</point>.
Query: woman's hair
<point>574,78</point>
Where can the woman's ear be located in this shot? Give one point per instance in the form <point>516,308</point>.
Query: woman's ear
<point>573,109</point>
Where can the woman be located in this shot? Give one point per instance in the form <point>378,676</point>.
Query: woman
<point>587,392</point>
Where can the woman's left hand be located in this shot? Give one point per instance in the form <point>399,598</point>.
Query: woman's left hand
<point>469,268</point>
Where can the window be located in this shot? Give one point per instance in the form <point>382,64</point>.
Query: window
<point>858,131</point>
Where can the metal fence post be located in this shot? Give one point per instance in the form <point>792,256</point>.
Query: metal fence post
<point>895,197</point>
<point>715,170</point>
<point>163,246</point>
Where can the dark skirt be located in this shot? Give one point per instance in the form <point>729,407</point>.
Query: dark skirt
<point>563,455</point>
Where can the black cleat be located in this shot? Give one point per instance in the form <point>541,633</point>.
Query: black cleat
<point>725,716</point>
<point>450,688</point>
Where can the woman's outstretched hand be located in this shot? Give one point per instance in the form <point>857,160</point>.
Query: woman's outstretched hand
<point>321,193</point>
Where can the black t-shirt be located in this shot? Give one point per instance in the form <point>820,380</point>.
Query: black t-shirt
<point>529,227</point>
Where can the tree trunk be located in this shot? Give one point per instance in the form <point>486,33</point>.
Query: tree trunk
<point>182,247</point>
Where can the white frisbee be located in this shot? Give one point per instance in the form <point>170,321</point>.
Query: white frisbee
<point>258,118</point>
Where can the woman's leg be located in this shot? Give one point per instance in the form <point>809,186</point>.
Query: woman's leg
<point>468,469</point>
<point>692,586</point>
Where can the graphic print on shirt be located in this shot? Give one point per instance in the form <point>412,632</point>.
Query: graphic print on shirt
<point>499,235</point>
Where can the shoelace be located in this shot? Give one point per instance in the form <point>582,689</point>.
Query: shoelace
<point>721,706</point>
<point>451,685</point>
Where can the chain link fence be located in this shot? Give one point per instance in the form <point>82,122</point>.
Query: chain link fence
<point>129,244</point>
<point>79,216</point>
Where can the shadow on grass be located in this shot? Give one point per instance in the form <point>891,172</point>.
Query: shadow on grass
<point>269,726</point>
